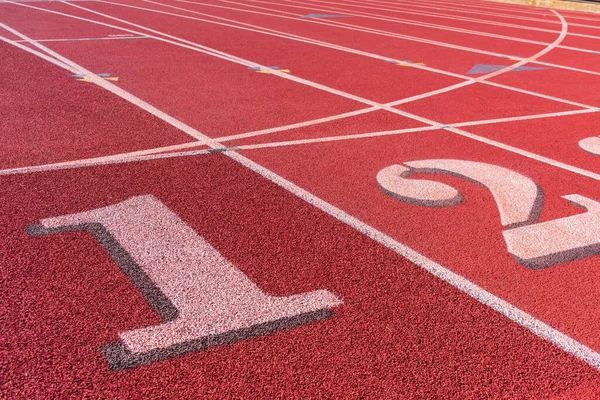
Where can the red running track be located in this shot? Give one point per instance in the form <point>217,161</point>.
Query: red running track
<point>306,104</point>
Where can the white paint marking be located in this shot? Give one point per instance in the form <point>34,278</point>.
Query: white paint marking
<point>212,296</point>
<point>377,105</point>
<point>424,120</point>
<point>329,45</point>
<point>150,154</point>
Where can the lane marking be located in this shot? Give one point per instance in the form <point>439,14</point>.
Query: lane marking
<point>457,47</point>
<point>537,12</point>
<point>518,8</point>
<point>335,91</point>
<point>515,314</point>
<point>151,154</point>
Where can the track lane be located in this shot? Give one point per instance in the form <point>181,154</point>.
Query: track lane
<point>481,102</point>
<point>573,85</point>
<point>59,118</point>
<point>564,295</point>
<point>557,138</point>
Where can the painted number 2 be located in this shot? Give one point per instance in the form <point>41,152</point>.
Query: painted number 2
<point>519,200</point>
<point>204,300</point>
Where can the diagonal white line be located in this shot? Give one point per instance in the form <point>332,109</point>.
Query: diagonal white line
<point>443,44</point>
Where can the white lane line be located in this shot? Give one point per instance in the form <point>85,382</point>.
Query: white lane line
<point>37,53</point>
<point>427,121</point>
<point>296,125</point>
<point>449,45</point>
<point>475,6</point>
<point>275,33</point>
<point>323,87</point>
<point>466,6</point>
<point>513,313</point>
<point>350,50</point>
<point>524,117</point>
<point>409,99</point>
<point>452,46</point>
<point>123,158</point>
<point>524,319</point>
<point>550,47</point>
<point>528,9</point>
<point>150,154</point>
<point>456,29</point>
<point>393,132</point>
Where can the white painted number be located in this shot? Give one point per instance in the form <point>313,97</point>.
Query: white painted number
<point>519,201</point>
<point>212,302</point>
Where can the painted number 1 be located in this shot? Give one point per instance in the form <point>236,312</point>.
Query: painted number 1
<point>203,299</point>
<point>519,200</point>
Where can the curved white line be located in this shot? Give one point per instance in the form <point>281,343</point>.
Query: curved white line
<point>550,47</point>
